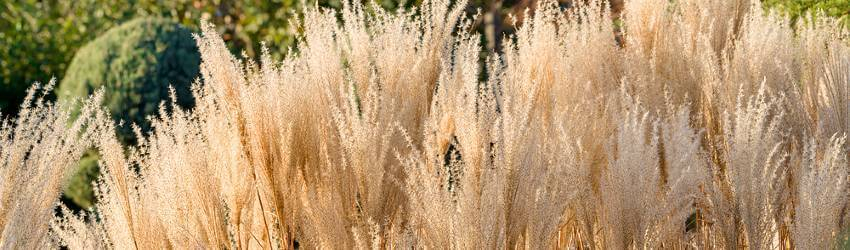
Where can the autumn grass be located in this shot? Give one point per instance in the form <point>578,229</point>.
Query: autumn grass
<point>710,124</point>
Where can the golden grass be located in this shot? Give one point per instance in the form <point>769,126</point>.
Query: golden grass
<point>712,124</point>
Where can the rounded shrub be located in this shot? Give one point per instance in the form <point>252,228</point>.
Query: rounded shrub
<point>135,63</point>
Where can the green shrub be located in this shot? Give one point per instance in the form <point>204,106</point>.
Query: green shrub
<point>135,63</point>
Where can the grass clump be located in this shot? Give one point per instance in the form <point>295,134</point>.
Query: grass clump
<point>707,125</point>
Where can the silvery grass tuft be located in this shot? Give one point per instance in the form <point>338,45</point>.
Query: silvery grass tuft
<point>37,150</point>
<point>696,124</point>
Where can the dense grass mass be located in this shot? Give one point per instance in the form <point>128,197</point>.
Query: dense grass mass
<point>690,124</point>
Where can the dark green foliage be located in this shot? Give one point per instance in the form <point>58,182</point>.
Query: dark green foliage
<point>135,63</point>
<point>38,39</point>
